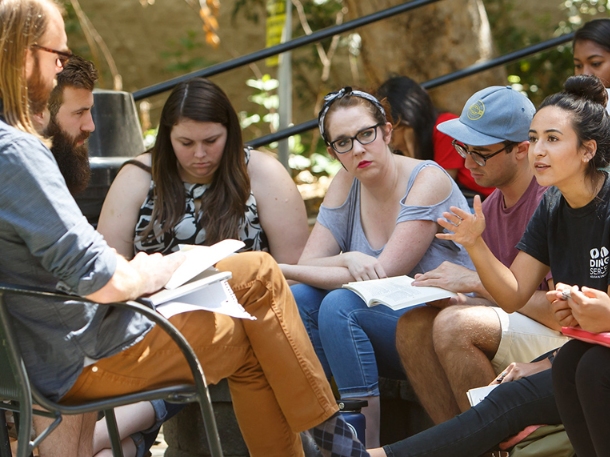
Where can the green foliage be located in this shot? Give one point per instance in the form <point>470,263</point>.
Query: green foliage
<point>266,119</point>
<point>544,73</point>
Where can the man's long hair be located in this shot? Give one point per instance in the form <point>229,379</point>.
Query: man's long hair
<point>22,23</point>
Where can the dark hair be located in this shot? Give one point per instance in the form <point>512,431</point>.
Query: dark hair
<point>223,203</point>
<point>597,30</point>
<point>411,105</point>
<point>78,73</point>
<point>585,98</point>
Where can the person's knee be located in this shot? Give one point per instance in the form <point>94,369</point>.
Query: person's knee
<point>413,326</point>
<point>459,327</point>
<point>593,371</point>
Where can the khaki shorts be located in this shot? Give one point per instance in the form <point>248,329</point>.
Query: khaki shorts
<point>523,339</point>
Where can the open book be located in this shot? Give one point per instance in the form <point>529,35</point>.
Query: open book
<point>396,292</point>
<point>195,285</point>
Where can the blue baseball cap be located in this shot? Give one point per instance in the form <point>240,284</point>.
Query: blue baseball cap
<point>492,115</point>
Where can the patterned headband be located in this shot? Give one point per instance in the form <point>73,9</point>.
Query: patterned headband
<point>334,96</point>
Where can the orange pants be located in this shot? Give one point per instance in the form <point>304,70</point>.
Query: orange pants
<point>277,383</point>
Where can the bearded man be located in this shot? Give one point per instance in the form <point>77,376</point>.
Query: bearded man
<point>67,121</point>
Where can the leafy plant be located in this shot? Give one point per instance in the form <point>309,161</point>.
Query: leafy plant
<point>544,73</point>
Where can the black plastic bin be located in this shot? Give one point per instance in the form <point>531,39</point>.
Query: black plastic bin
<point>117,138</point>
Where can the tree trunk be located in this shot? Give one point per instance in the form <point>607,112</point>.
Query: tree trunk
<point>428,42</point>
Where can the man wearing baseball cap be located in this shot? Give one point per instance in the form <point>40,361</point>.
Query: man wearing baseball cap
<point>458,344</point>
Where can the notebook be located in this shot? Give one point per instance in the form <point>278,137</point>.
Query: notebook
<point>589,337</point>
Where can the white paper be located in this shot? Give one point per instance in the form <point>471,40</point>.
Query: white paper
<point>478,394</point>
<point>217,297</point>
<point>199,258</point>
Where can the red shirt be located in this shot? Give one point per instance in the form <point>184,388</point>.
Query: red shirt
<point>448,158</point>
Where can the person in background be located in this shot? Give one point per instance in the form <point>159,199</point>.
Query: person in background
<point>378,219</point>
<point>416,134</point>
<point>591,49</point>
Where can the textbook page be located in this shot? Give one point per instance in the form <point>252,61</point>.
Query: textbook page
<point>396,292</point>
<point>199,258</point>
<point>203,279</point>
<point>216,297</point>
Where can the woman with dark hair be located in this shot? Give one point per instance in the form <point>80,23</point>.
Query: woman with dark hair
<point>415,134</point>
<point>378,219</point>
<point>197,185</point>
<point>591,49</point>
<point>568,234</point>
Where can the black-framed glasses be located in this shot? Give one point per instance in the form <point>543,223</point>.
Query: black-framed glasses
<point>479,158</point>
<point>364,136</point>
<point>62,56</point>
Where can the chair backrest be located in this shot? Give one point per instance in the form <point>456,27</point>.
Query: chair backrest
<point>14,384</point>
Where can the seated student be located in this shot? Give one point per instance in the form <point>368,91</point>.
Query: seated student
<point>87,351</point>
<point>569,143</point>
<point>204,186</point>
<point>415,133</point>
<point>450,347</point>
<point>378,219</point>
<point>581,373</point>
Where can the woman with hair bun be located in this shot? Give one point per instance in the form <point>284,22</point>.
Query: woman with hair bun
<point>570,235</point>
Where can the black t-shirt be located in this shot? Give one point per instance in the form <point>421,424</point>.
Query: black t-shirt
<point>575,243</point>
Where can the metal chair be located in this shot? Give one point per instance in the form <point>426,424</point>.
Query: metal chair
<point>17,394</point>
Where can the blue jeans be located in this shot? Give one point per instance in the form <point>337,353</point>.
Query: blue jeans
<point>506,411</point>
<point>355,343</point>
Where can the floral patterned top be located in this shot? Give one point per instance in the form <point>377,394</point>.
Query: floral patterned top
<point>190,229</point>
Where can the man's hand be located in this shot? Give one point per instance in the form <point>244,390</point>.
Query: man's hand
<point>156,269</point>
<point>450,276</point>
<point>362,266</point>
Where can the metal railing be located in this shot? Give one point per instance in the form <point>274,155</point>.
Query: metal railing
<point>335,30</point>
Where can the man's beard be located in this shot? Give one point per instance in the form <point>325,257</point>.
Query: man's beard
<point>72,160</point>
<point>38,91</point>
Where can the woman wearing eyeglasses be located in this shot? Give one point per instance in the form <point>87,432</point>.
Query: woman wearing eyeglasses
<point>378,219</point>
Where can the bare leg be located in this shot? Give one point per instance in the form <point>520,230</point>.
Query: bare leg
<point>73,437</point>
<point>130,419</point>
<point>415,346</point>
<point>129,449</point>
<point>372,415</point>
<point>466,339</point>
